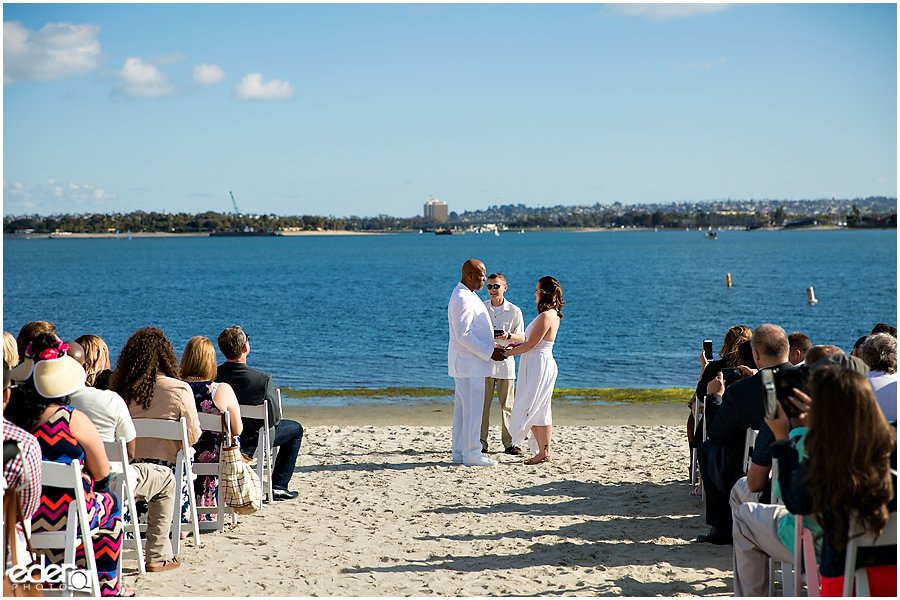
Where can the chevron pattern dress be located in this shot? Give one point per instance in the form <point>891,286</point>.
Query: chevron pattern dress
<point>59,445</point>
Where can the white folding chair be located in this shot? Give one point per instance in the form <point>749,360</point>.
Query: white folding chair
<point>749,444</point>
<point>859,538</point>
<point>164,429</point>
<point>264,451</point>
<point>118,452</point>
<point>218,424</point>
<point>78,529</point>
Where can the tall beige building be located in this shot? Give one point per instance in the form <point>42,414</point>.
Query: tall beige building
<point>436,211</point>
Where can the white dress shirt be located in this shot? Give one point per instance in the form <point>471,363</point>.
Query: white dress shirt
<point>507,317</point>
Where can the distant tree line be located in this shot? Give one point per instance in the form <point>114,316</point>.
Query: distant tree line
<point>875,212</point>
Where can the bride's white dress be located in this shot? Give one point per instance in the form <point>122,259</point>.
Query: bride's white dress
<point>534,387</point>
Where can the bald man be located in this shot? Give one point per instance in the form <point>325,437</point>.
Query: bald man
<point>469,363</point>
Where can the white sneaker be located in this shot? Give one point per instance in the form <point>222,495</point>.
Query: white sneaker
<point>481,461</point>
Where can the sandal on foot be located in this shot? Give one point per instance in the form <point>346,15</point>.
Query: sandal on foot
<point>124,592</point>
<point>537,461</point>
<point>164,565</point>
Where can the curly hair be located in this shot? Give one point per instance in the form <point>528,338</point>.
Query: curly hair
<point>551,295</point>
<point>879,351</point>
<point>147,353</point>
<point>96,356</point>
<point>730,351</point>
<point>849,445</point>
<point>26,405</point>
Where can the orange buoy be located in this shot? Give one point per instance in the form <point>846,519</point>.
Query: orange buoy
<point>728,278</point>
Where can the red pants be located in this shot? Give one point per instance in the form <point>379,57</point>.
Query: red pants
<point>882,582</point>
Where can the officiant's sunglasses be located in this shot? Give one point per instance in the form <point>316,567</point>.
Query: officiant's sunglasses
<point>494,286</point>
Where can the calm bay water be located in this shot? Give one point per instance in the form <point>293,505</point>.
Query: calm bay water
<point>371,311</point>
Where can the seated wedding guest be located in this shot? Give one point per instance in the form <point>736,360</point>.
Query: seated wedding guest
<point>851,466</point>
<point>799,344</point>
<point>155,483</point>
<point>40,405</point>
<point>198,369</point>
<point>756,486</point>
<point>147,378</point>
<point>10,350</point>
<point>252,387</point>
<point>730,412</point>
<point>96,361</point>
<point>30,331</point>
<point>729,358</point>
<point>880,353</point>
<point>761,530</point>
<point>23,475</point>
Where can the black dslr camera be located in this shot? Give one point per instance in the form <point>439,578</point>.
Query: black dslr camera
<point>779,384</point>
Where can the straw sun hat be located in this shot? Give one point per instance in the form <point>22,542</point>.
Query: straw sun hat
<point>53,378</point>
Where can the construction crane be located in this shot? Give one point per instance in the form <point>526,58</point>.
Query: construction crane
<point>237,211</point>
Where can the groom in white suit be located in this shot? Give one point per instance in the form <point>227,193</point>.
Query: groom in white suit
<point>469,362</point>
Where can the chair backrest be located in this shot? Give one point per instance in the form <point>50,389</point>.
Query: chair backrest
<point>78,528</point>
<point>863,539</point>
<point>749,443</point>
<point>163,429</point>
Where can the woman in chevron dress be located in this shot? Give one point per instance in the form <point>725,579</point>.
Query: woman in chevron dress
<point>39,405</point>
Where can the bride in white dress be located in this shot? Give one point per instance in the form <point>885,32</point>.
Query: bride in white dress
<point>537,373</point>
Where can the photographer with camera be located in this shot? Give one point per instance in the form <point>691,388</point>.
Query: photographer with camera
<point>730,413</point>
<point>839,411</point>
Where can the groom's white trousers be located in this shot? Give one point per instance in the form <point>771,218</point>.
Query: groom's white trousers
<point>468,405</point>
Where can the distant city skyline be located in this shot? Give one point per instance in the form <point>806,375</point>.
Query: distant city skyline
<point>366,109</point>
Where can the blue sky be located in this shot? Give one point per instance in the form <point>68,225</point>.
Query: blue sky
<point>366,109</point>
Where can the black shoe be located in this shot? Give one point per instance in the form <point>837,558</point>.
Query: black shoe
<point>514,450</point>
<point>715,536</point>
<point>280,494</point>
<point>484,447</point>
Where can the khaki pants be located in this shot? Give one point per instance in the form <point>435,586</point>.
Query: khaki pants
<point>756,538</point>
<point>156,484</point>
<point>505,394</point>
<point>741,494</point>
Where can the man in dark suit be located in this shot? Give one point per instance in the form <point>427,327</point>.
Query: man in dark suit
<point>252,387</point>
<point>730,412</point>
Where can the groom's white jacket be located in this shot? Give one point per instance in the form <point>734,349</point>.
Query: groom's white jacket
<point>471,335</point>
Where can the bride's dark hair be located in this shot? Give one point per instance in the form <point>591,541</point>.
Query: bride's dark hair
<point>551,295</point>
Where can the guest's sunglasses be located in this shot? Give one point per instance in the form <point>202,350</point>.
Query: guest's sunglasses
<point>494,286</point>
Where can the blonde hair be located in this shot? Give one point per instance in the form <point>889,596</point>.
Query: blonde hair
<point>10,350</point>
<point>199,359</point>
<point>96,357</point>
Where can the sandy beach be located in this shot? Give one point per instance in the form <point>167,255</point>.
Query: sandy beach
<point>382,512</point>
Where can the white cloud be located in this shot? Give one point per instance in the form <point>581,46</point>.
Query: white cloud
<point>54,198</point>
<point>208,74</point>
<point>660,12</point>
<point>141,79</point>
<point>253,87</point>
<point>57,51</point>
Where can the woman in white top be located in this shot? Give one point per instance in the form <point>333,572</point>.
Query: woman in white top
<point>537,373</point>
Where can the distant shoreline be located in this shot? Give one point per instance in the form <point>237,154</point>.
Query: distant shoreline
<point>162,234</point>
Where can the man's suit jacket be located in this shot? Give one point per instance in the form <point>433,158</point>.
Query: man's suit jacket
<point>741,407</point>
<point>252,387</point>
<point>471,335</point>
